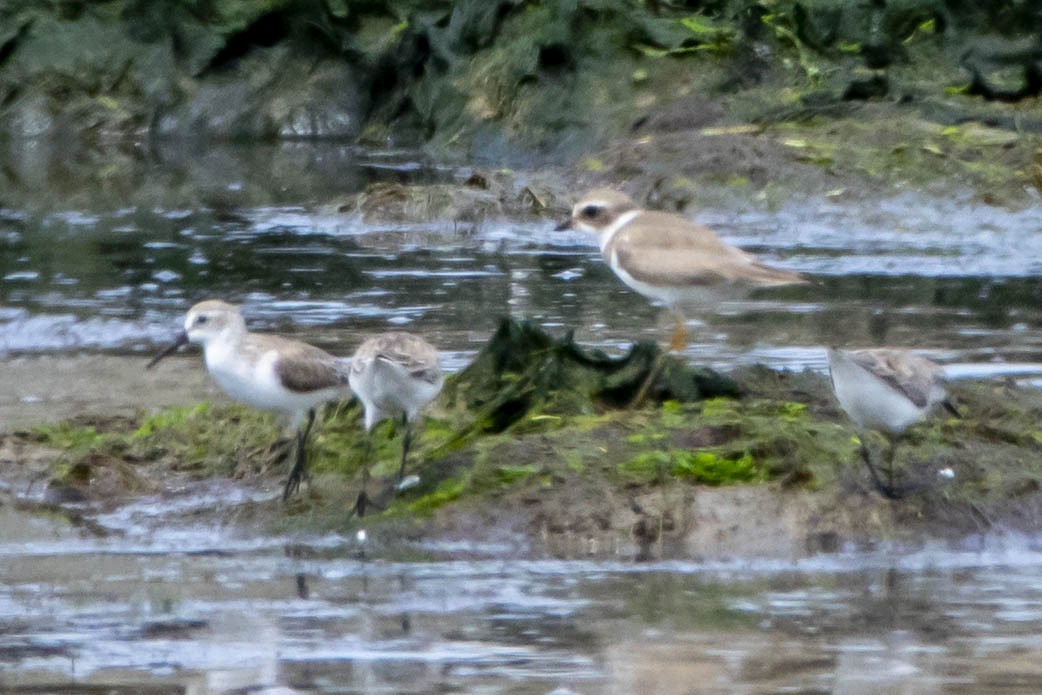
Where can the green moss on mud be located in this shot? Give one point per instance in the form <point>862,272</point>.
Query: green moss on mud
<point>69,436</point>
<point>583,455</point>
<point>914,150</point>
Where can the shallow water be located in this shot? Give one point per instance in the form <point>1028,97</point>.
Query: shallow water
<point>169,603</point>
<point>199,610</point>
<point>957,278</point>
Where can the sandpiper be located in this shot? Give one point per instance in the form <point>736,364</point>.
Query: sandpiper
<point>393,374</point>
<point>268,372</point>
<point>667,258</point>
<point>888,391</point>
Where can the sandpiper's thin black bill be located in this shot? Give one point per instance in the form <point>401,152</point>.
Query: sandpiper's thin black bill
<point>566,225</point>
<point>181,341</point>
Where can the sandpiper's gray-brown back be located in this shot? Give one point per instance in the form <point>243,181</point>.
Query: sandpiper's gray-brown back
<point>918,378</point>
<point>393,374</point>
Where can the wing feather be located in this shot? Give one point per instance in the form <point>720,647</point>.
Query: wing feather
<point>655,249</point>
<point>300,367</point>
<point>405,350</point>
<point>918,378</point>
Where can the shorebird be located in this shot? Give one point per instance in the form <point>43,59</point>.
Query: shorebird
<point>268,372</point>
<point>888,391</point>
<point>393,374</point>
<point>667,258</point>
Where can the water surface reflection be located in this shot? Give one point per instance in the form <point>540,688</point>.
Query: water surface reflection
<point>962,284</point>
<point>315,618</point>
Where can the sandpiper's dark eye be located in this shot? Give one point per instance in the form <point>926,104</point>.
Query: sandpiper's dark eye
<point>589,212</point>
<point>201,318</point>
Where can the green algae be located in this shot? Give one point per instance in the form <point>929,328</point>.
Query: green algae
<point>576,461</point>
<point>712,469</point>
<point>69,436</point>
<point>446,492</point>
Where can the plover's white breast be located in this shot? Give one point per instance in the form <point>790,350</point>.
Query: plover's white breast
<point>673,295</point>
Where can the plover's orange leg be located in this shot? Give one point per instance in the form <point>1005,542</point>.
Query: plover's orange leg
<point>676,344</point>
<point>651,378</point>
<point>679,340</point>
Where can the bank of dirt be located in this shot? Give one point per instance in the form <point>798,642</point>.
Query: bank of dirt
<point>537,455</point>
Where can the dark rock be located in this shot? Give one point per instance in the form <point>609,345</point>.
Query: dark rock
<point>524,370</point>
<point>684,114</point>
<point>875,87</point>
<point>272,94</point>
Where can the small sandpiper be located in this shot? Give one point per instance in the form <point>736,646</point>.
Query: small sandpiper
<point>888,391</point>
<point>393,374</point>
<point>268,372</point>
<point>667,258</point>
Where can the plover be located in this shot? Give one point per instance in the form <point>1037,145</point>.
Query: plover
<point>888,391</point>
<point>667,258</point>
<point>393,374</point>
<point>268,372</point>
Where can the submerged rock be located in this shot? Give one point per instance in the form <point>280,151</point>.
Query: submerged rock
<point>523,371</point>
<point>481,197</point>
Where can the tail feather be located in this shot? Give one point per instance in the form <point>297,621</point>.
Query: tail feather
<point>767,276</point>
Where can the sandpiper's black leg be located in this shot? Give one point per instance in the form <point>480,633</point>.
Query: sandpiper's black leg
<point>299,470</point>
<point>890,467</point>
<point>884,489</point>
<point>406,443</point>
<point>362,503</point>
<point>907,488</point>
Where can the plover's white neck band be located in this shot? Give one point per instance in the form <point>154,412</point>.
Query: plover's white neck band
<point>611,230</point>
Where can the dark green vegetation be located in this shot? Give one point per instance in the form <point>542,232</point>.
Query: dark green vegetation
<point>531,436</point>
<point>147,102</point>
<point>502,79</point>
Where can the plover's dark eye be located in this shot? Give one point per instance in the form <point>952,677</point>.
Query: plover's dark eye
<point>589,212</point>
<point>202,318</point>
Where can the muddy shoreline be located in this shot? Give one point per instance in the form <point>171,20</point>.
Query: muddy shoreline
<point>594,486</point>
<point>41,389</point>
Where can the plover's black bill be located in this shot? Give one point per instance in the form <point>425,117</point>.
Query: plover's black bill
<point>564,226</point>
<point>180,342</point>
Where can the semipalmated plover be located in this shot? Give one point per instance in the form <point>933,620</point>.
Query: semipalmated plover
<point>888,391</point>
<point>268,372</point>
<point>667,258</point>
<point>393,374</point>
